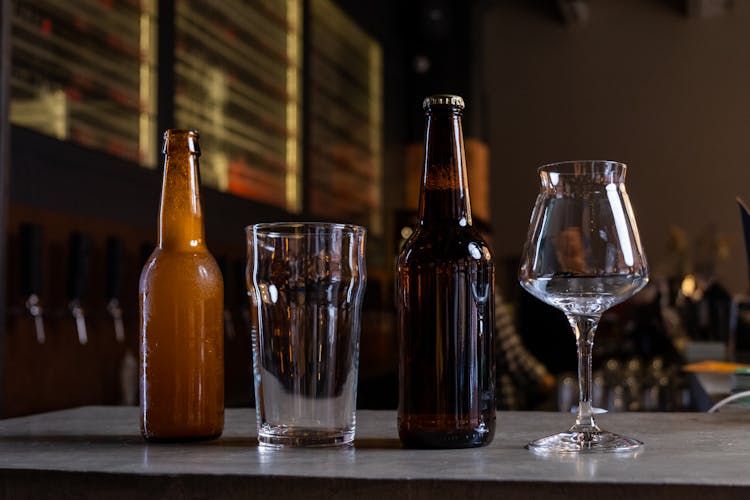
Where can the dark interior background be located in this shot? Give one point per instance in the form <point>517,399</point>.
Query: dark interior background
<point>661,85</point>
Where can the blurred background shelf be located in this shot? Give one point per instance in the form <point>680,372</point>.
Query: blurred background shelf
<point>86,72</point>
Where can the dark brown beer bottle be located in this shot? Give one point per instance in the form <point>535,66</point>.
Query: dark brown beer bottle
<point>445,279</point>
<point>182,310</point>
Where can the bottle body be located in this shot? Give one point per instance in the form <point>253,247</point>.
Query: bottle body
<point>182,347</point>
<point>445,280</point>
<point>181,296</point>
<point>446,347</point>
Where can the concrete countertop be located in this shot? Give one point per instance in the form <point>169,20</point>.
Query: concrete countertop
<point>97,452</point>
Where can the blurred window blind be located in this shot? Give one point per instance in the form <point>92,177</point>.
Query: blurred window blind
<point>237,81</point>
<point>345,103</point>
<point>84,71</point>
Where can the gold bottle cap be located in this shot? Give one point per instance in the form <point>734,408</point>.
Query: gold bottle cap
<point>455,101</point>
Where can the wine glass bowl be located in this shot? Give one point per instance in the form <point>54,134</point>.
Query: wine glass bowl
<point>583,255</point>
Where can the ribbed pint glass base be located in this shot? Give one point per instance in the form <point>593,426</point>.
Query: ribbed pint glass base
<point>283,436</point>
<point>584,442</point>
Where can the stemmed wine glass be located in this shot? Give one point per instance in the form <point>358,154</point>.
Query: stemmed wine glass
<point>583,255</point>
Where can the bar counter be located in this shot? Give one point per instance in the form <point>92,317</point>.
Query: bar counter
<point>97,452</point>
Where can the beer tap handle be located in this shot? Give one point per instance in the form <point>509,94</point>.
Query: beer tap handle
<point>78,264</point>
<point>31,275</point>
<point>115,252</point>
<point>34,307</point>
<point>114,309</point>
<point>39,327</point>
<point>77,310</point>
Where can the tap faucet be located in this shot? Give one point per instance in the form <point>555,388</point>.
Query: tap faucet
<point>31,276</point>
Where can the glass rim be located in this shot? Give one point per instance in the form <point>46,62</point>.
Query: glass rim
<point>301,228</point>
<point>575,167</point>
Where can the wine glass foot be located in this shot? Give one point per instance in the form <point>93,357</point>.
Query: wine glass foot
<point>584,442</point>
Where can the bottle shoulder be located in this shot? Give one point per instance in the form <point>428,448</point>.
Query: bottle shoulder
<point>173,267</point>
<point>440,244</point>
<point>197,254</point>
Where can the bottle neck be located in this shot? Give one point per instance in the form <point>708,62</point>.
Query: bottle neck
<point>181,215</point>
<point>444,195</point>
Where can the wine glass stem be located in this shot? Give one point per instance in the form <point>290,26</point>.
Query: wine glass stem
<point>584,327</point>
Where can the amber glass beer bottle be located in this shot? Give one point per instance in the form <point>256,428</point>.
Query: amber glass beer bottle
<point>445,279</point>
<point>181,310</point>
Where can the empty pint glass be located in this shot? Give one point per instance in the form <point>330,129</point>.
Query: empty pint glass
<point>306,282</point>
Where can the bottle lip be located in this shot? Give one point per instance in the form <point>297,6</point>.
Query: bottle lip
<point>177,136</point>
<point>444,100</point>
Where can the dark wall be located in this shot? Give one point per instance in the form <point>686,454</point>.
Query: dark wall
<point>640,83</point>
<point>426,50</point>
<point>386,23</point>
